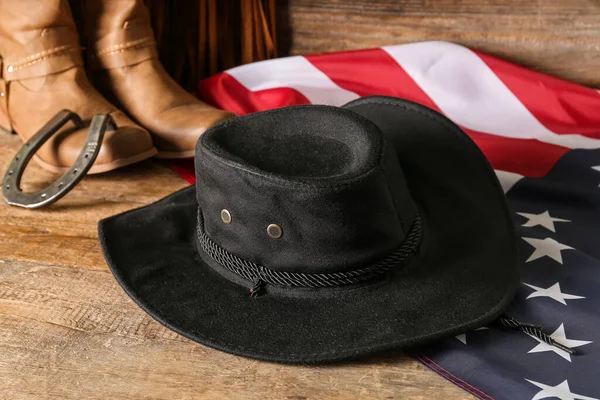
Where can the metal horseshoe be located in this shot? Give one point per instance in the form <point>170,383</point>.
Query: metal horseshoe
<point>11,190</point>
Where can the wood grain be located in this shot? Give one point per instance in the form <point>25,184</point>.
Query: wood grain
<point>68,331</point>
<point>558,37</point>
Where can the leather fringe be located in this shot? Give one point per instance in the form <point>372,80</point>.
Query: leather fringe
<point>198,38</point>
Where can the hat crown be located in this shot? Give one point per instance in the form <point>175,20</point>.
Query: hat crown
<point>302,189</point>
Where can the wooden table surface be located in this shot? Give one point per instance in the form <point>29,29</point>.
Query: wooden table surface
<point>68,331</point>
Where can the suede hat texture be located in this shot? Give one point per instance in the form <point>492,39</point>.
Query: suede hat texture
<point>317,233</point>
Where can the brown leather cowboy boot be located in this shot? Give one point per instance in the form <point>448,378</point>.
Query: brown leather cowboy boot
<point>42,74</point>
<point>124,66</point>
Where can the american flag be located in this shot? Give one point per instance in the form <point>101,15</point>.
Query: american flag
<point>541,135</point>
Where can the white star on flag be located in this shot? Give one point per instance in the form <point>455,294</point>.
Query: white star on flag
<point>560,337</point>
<point>553,292</point>
<point>560,391</point>
<point>546,247</point>
<point>544,219</point>
<point>463,336</point>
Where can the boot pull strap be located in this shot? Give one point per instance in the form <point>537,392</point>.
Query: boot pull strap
<point>130,45</point>
<point>55,50</point>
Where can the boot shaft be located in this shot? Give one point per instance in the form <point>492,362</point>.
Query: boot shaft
<point>19,25</point>
<point>115,33</point>
<point>37,38</point>
<point>98,19</point>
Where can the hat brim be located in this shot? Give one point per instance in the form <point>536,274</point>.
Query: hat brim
<point>463,277</point>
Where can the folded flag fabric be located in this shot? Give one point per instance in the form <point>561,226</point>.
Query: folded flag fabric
<point>541,135</point>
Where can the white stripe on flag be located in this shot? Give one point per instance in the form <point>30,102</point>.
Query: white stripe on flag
<point>471,95</point>
<point>507,179</point>
<point>292,72</point>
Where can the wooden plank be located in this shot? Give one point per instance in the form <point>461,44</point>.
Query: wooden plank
<point>554,36</point>
<point>68,331</point>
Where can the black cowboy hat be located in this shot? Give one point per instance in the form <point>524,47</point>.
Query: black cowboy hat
<point>318,233</point>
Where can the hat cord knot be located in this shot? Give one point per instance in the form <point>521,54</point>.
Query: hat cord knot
<point>257,289</point>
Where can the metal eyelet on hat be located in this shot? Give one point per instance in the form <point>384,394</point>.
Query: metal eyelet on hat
<point>225,216</point>
<point>274,231</point>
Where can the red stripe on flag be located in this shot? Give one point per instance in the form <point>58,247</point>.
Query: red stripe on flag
<point>527,157</point>
<point>370,72</point>
<point>224,91</point>
<point>562,107</point>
